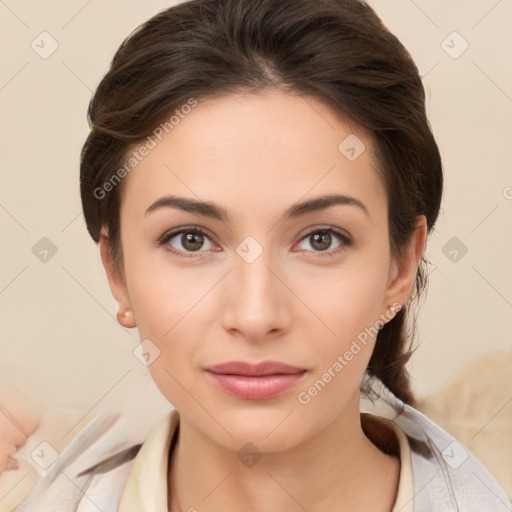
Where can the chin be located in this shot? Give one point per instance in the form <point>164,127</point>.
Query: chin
<point>270,429</point>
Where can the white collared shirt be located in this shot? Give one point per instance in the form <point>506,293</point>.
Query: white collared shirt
<point>147,485</point>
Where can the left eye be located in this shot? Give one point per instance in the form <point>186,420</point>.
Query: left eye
<point>321,239</point>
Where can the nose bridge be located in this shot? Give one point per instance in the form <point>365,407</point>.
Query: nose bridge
<point>255,280</point>
<point>253,262</point>
<point>256,276</point>
<point>256,296</point>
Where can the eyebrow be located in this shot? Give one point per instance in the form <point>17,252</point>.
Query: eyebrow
<point>215,211</point>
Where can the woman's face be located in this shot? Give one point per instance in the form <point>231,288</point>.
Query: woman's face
<point>260,281</point>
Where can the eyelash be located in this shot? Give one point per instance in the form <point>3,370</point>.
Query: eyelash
<point>195,229</point>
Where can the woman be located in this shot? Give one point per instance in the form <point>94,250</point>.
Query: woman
<point>261,179</point>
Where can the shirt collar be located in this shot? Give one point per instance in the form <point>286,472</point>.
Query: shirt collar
<point>146,487</point>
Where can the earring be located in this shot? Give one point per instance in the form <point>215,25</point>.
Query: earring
<point>395,309</point>
<point>391,311</point>
<point>124,316</point>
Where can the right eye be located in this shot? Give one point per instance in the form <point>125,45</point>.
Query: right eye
<point>185,240</point>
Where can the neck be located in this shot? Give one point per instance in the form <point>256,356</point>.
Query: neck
<point>338,468</point>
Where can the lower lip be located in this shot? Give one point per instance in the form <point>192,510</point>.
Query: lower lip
<point>256,388</point>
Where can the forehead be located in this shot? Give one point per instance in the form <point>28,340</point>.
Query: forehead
<point>258,149</point>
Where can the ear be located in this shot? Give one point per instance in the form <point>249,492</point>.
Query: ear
<point>402,273</point>
<point>117,284</point>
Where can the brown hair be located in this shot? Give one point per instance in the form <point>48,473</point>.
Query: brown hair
<point>337,51</point>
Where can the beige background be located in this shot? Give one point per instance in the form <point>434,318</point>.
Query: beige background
<point>59,337</point>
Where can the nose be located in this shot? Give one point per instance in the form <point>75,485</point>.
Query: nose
<point>257,302</point>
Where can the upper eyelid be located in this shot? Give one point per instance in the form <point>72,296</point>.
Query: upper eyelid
<point>177,231</point>
<point>338,231</point>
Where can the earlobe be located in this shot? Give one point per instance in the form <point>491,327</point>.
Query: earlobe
<point>117,285</point>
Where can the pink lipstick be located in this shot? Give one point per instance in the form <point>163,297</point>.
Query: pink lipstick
<point>255,381</point>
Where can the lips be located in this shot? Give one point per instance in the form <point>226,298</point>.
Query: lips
<point>259,381</point>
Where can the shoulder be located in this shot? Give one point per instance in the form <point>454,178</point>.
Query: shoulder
<point>445,472</point>
<point>89,474</point>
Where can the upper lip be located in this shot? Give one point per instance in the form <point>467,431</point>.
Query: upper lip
<point>254,369</point>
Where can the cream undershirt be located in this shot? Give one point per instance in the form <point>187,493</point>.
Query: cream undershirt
<point>405,495</point>
<point>146,487</point>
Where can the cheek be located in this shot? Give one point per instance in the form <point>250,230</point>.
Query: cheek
<point>349,302</point>
<point>162,293</point>
<point>166,308</point>
<point>350,309</point>
<point>347,299</point>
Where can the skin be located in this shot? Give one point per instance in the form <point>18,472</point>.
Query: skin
<point>256,155</point>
